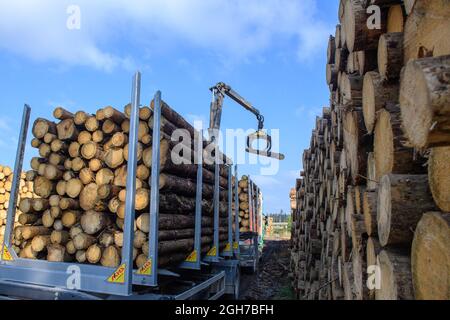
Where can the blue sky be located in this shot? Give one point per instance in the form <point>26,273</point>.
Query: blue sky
<point>272,52</point>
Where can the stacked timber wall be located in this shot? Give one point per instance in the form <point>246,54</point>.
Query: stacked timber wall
<point>25,192</point>
<point>370,207</point>
<point>80,180</point>
<point>245,218</point>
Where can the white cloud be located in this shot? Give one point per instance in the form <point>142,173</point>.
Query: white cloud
<point>8,138</point>
<point>4,124</point>
<point>299,112</point>
<point>311,112</point>
<point>233,28</point>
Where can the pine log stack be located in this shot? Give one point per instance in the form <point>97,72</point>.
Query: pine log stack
<point>25,192</point>
<point>375,191</point>
<point>245,225</point>
<point>80,178</point>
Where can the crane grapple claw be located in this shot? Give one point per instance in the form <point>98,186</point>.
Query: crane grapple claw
<point>267,152</point>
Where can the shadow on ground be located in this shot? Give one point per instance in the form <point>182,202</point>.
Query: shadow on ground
<point>272,281</point>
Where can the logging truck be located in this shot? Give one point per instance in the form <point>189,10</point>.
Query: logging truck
<point>110,216</point>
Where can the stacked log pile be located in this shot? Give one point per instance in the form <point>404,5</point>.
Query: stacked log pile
<point>25,191</point>
<point>244,206</point>
<point>369,217</point>
<point>245,224</point>
<point>80,177</point>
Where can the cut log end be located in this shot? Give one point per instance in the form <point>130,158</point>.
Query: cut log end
<point>439,176</point>
<point>396,280</point>
<point>424,97</point>
<point>431,257</point>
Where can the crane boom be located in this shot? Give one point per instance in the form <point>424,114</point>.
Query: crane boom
<point>220,90</point>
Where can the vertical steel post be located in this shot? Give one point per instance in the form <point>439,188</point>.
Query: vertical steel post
<point>255,207</point>
<point>128,231</point>
<point>250,203</point>
<point>228,252</point>
<point>236,212</point>
<point>213,254</point>
<point>154,192</point>
<point>256,210</point>
<point>216,208</point>
<point>199,200</point>
<point>16,178</point>
<point>192,263</point>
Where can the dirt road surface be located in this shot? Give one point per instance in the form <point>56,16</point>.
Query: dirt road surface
<point>271,282</point>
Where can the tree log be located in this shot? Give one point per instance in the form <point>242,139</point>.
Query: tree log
<point>351,89</point>
<point>396,19</point>
<point>29,232</point>
<point>357,144</point>
<point>424,101</point>
<point>110,257</point>
<point>82,241</point>
<point>357,33</point>
<point>390,55</point>
<point>376,94</point>
<point>396,280</point>
<point>439,176</point>
<point>359,269</point>
<point>402,200</point>
<point>431,257</point>
<point>181,186</point>
<point>92,222</point>
<point>57,253</point>
<point>94,254</point>
<point>67,130</point>
<point>39,243</point>
<point>391,156</point>
<point>80,118</point>
<point>427,29</point>
<point>42,126</point>
<point>370,212</point>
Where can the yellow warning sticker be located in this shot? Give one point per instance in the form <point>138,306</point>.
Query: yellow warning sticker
<point>6,256</point>
<point>212,252</point>
<point>236,245</point>
<point>146,269</point>
<point>119,275</point>
<point>192,257</point>
<point>228,247</point>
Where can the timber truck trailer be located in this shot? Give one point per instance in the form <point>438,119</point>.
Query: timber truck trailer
<point>251,242</point>
<point>211,276</point>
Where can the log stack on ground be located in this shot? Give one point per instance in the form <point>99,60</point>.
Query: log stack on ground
<point>80,177</point>
<point>25,192</point>
<point>366,199</point>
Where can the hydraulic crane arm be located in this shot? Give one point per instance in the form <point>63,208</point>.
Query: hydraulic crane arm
<point>224,89</point>
<point>221,90</point>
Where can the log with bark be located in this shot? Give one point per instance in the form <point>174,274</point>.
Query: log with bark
<point>424,100</point>
<point>391,154</point>
<point>395,274</point>
<point>402,200</point>
<point>430,257</point>
<point>427,29</point>
<point>364,186</point>
<point>439,176</point>
<point>80,179</point>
